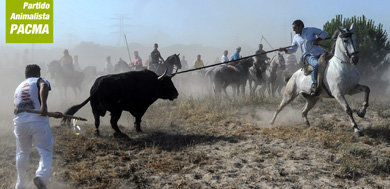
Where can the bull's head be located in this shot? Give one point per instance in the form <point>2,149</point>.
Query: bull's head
<point>167,88</point>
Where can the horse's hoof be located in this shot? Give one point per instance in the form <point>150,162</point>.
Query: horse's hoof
<point>361,113</point>
<point>357,132</point>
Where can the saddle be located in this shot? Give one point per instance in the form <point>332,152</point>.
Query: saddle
<point>322,64</point>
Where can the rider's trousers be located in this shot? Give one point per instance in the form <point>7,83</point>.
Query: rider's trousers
<point>313,61</point>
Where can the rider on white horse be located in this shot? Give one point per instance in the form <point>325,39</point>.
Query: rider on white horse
<point>307,40</point>
<point>341,77</point>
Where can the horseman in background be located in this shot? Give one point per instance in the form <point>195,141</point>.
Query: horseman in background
<point>67,62</point>
<point>261,58</point>
<point>236,55</point>
<point>121,66</point>
<point>184,63</point>
<point>224,57</point>
<point>137,61</point>
<point>307,40</point>
<point>156,58</point>
<point>109,67</point>
<point>199,63</point>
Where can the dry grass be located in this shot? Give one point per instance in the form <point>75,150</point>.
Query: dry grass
<point>210,142</point>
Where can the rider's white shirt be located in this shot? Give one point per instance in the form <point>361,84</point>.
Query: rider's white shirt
<point>224,58</point>
<point>305,40</point>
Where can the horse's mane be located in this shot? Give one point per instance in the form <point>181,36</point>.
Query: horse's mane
<point>272,59</point>
<point>334,37</point>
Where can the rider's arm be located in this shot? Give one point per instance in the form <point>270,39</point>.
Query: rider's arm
<point>294,47</point>
<point>161,57</point>
<point>320,33</point>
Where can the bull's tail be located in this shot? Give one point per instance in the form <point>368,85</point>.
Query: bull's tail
<point>72,110</point>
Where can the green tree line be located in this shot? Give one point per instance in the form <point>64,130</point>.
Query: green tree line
<point>372,41</point>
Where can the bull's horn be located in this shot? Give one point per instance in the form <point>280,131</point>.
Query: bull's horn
<point>165,72</point>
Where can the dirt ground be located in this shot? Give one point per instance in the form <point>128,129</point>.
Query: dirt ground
<point>208,142</point>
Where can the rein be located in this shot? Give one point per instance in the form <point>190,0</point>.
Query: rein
<point>346,52</point>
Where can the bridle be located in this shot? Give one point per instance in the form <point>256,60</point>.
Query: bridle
<point>343,36</point>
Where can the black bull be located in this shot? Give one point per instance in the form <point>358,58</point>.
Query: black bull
<point>131,91</point>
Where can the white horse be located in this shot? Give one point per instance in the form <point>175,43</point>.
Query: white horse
<point>341,77</point>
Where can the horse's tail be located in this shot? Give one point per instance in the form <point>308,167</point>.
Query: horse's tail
<point>72,110</point>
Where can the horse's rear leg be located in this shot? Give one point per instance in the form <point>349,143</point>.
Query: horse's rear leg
<point>341,99</point>
<point>310,102</point>
<point>362,88</point>
<point>288,96</point>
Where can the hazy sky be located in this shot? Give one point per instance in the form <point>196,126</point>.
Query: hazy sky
<point>218,23</point>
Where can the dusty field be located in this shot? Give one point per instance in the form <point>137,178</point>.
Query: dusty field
<point>220,143</point>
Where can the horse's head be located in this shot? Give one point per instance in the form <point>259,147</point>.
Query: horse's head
<point>54,67</point>
<point>282,61</point>
<point>346,44</point>
<point>174,60</point>
<point>277,61</point>
<point>248,62</point>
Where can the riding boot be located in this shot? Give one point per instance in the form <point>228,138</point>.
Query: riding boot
<point>314,89</point>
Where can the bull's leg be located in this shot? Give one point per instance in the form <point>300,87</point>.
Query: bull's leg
<point>341,100</point>
<point>288,96</point>
<point>115,115</point>
<point>310,102</point>
<point>362,88</point>
<point>137,123</point>
<point>97,121</point>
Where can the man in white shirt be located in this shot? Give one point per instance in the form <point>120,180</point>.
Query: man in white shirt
<point>224,57</point>
<point>32,128</point>
<point>307,39</point>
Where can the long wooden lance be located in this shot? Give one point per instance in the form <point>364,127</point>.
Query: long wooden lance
<point>128,50</point>
<point>56,114</point>
<point>194,69</point>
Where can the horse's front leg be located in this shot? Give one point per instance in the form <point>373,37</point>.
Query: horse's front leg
<point>358,89</point>
<point>341,99</point>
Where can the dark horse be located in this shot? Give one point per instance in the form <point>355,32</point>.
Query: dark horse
<point>168,64</point>
<point>66,78</point>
